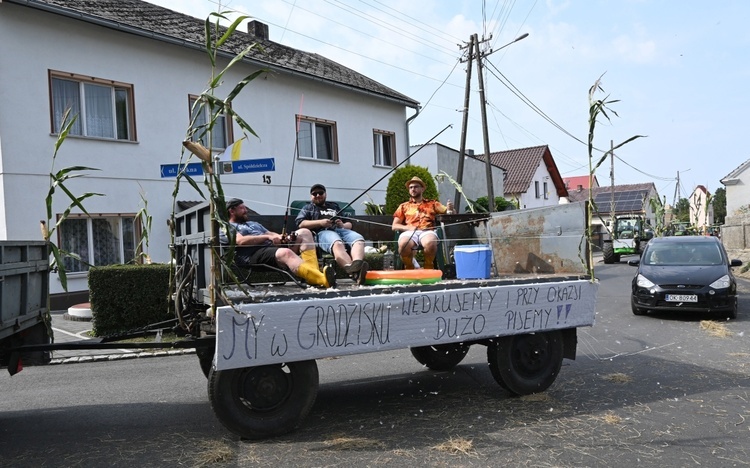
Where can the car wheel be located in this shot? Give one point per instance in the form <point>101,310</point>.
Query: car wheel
<point>732,314</point>
<point>636,310</point>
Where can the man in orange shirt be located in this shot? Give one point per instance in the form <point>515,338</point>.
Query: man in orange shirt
<point>415,219</point>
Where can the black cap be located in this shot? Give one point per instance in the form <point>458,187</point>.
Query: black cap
<point>234,202</point>
<point>317,187</point>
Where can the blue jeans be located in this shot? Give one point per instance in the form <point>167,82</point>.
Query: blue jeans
<point>327,237</point>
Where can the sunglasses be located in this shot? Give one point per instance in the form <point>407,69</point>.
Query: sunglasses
<point>317,194</point>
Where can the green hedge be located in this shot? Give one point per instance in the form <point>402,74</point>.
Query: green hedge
<point>126,297</point>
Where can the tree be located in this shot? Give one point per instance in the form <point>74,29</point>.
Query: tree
<point>681,211</point>
<point>720,205</point>
<point>501,204</point>
<point>397,193</point>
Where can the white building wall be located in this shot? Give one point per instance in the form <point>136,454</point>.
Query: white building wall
<point>438,158</point>
<point>529,199</point>
<point>163,75</point>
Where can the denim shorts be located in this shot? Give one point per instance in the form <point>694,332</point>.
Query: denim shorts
<point>327,237</point>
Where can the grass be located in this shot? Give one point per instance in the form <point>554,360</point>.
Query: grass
<point>716,329</point>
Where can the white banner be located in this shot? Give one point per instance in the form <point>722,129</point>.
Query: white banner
<point>274,332</point>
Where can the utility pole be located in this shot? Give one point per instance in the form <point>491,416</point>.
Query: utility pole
<point>464,124</point>
<point>612,179</point>
<point>485,132</point>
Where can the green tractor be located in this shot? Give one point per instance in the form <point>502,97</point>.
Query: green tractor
<point>628,235</point>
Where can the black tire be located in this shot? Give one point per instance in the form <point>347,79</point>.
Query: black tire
<point>206,359</point>
<point>637,310</point>
<point>732,314</point>
<point>608,251</point>
<point>263,401</point>
<point>526,364</point>
<point>441,357</point>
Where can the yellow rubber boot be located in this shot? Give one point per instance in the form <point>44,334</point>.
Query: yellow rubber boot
<point>408,264</point>
<point>429,263</point>
<point>314,277</point>
<point>310,257</point>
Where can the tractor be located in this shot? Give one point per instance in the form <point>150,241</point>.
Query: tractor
<point>628,235</point>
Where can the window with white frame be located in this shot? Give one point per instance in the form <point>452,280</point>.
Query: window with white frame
<point>546,193</point>
<point>385,148</point>
<point>221,130</point>
<point>536,189</point>
<point>316,139</point>
<point>105,108</point>
<point>98,240</point>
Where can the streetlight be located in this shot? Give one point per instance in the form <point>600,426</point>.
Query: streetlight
<point>485,134</point>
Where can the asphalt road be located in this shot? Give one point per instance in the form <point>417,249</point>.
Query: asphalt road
<point>647,391</point>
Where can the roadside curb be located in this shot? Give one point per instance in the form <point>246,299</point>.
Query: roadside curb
<point>119,357</point>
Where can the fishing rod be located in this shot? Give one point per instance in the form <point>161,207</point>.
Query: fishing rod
<point>393,169</point>
<point>291,177</point>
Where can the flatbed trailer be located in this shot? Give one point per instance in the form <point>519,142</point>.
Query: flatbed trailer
<point>262,373</point>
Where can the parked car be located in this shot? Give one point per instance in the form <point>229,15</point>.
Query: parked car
<point>685,273</point>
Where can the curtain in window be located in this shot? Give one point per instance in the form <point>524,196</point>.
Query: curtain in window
<point>106,235</point>
<point>387,151</point>
<point>304,140</point>
<point>74,238</point>
<point>323,142</point>
<point>99,112</point>
<point>66,94</point>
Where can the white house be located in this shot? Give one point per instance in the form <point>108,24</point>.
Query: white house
<point>532,176</point>
<point>701,209</point>
<point>439,158</point>
<point>131,70</point>
<point>737,184</point>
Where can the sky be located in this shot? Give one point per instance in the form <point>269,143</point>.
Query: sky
<point>675,71</point>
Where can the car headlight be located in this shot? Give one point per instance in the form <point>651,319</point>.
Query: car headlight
<point>643,282</point>
<point>721,283</point>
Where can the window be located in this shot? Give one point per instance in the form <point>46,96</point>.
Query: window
<point>536,189</point>
<point>385,149</point>
<point>222,132</point>
<point>316,139</point>
<point>546,193</point>
<point>98,240</point>
<point>104,107</point>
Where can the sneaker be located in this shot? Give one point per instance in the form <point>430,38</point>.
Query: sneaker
<point>361,276</point>
<point>330,276</point>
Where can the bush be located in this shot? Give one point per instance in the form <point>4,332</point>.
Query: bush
<point>501,204</point>
<point>127,297</point>
<point>397,193</point>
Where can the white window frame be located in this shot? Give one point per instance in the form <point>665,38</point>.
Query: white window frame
<point>546,193</point>
<point>89,254</point>
<point>119,107</point>
<point>536,189</point>
<point>384,148</point>
<point>222,136</point>
<point>309,144</point>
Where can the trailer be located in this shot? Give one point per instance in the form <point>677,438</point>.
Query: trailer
<point>262,371</point>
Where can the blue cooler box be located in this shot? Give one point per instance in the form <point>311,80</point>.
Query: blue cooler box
<point>473,261</point>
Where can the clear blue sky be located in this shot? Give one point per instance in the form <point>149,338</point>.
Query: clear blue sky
<point>679,68</point>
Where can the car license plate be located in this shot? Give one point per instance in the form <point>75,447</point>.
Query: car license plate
<point>682,298</point>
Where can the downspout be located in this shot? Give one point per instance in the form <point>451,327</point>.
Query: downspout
<point>406,128</point>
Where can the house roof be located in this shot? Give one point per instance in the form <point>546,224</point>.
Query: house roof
<point>734,177</point>
<point>520,166</point>
<point>156,22</point>
<point>572,183</point>
<point>628,198</point>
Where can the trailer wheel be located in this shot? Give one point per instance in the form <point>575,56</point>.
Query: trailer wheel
<point>608,252</point>
<point>525,364</point>
<point>263,401</point>
<point>206,359</point>
<point>440,357</point>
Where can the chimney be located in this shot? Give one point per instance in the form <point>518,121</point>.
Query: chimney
<point>258,29</point>
<point>470,152</point>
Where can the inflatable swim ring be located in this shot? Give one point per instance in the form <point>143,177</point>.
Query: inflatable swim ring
<point>403,276</point>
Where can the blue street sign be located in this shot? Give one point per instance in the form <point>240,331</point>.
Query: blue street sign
<point>248,165</point>
<point>171,170</point>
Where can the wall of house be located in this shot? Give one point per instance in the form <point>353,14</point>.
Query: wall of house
<point>163,75</point>
<point>438,158</point>
<point>529,200</point>
<point>738,195</point>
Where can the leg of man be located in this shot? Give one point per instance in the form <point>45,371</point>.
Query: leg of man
<point>406,246</point>
<point>429,241</point>
<point>307,272</point>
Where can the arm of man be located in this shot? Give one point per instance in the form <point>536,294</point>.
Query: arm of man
<point>306,219</point>
<point>399,221</point>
